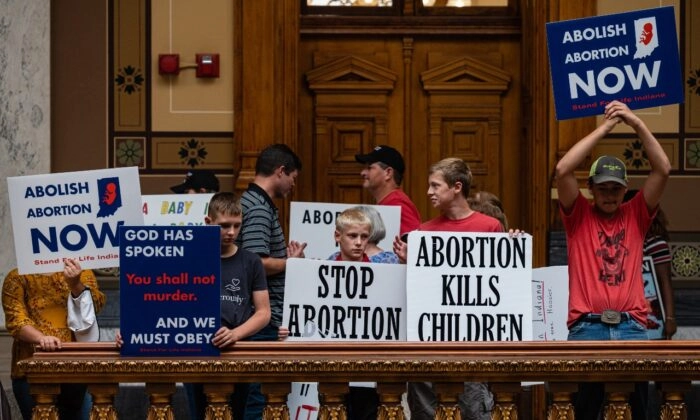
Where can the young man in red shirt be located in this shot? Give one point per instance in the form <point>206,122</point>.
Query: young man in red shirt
<point>605,241</point>
<point>449,184</point>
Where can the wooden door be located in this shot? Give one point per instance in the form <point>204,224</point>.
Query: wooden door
<point>430,97</point>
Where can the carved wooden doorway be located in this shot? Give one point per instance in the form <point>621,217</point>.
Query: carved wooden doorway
<point>430,97</point>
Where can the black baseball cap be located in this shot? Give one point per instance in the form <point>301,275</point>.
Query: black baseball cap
<point>608,168</point>
<point>197,179</point>
<point>384,154</point>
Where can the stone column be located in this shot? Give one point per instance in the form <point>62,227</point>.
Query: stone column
<point>24,104</point>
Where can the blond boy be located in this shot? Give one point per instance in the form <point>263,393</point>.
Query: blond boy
<point>352,231</point>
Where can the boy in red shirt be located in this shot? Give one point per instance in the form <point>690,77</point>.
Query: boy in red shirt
<point>605,242</point>
<point>449,184</point>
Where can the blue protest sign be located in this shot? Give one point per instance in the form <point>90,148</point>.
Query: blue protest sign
<point>72,215</point>
<point>630,57</point>
<point>169,290</point>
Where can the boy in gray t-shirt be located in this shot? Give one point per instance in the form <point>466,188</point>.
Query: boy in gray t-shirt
<point>245,301</point>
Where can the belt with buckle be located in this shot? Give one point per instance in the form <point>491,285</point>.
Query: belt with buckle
<point>608,316</point>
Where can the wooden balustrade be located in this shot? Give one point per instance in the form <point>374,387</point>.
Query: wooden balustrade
<point>560,365</point>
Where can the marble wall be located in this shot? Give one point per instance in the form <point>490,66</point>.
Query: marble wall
<point>24,104</point>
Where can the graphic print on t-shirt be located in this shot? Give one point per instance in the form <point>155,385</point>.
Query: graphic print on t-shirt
<point>233,287</point>
<point>612,253</point>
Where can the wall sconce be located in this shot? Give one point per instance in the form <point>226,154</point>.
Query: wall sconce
<point>206,65</point>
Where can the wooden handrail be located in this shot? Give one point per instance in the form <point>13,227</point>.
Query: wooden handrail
<point>674,364</point>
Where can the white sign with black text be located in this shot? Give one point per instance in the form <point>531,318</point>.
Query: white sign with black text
<point>314,223</point>
<point>341,300</point>
<point>469,286</point>
<point>550,303</point>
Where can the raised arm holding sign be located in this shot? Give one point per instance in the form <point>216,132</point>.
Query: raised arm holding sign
<point>605,242</point>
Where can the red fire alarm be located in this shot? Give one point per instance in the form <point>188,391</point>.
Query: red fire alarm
<point>168,63</point>
<point>207,65</point>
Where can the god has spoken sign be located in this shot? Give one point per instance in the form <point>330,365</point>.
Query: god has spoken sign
<point>170,290</point>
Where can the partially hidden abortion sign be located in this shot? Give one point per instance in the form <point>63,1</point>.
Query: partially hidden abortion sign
<point>175,209</point>
<point>72,215</point>
<point>469,287</point>
<point>314,223</point>
<point>550,303</point>
<point>169,290</point>
<point>630,57</point>
<point>652,294</point>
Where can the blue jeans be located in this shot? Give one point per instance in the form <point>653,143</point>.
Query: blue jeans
<point>256,400</point>
<point>588,402</point>
<point>73,403</point>
<point>626,330</point>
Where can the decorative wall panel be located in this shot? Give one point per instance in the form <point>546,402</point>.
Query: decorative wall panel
<point>129,66</point>
<point>692,155</point>
<point>630,151</point>
<point>192,152</point>
<point>129,151</point>
<point>465,115</point>
<point>351,109</point>
<point>186,103</point>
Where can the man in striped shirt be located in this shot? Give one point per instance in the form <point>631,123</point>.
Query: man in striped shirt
<point>276,171</point>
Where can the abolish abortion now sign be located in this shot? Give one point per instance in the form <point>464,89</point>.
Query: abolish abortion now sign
<point>72,214</point>
<point>630,57</point>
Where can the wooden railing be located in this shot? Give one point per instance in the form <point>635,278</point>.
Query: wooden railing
<point>560,365</point>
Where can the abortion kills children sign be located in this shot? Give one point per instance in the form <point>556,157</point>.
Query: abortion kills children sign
<point>169,290</point>
<point>74,215</point>
<point>175,209</point>
<point>469,287</point>
<point>630,57</point>
<point>314,223</point>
